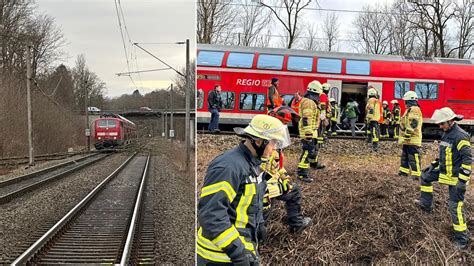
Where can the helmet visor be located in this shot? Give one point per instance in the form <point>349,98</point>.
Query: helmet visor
<point>280,136</point>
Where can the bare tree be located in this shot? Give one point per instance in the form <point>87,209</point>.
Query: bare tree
<point>312,42</point>
<point>215,18</point>
<point>331,30</point>
<point>434,17</point>
<point>86,81</point>
<point>372,30</point>
<point>465,23</point>
<point>402,34</point>
<point>263,40</point>
<point>288,18</point>
<point>251,22</point>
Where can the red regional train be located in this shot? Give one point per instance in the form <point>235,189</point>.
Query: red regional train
<point>111,131</point>
<point>244,74</point>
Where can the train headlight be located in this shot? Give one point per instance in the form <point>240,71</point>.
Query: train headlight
<point>99,138</point>
<point>115,137</point>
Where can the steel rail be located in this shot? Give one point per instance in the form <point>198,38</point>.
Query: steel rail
<point>33,249</point>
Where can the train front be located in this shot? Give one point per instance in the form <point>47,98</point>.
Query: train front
<point>107,133</point>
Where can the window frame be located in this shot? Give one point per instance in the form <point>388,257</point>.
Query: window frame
<point>395,91</point>
<point>426,99</point>
<point>300,70</point>
<point>328,58</point>
<point>251,63</point>
<point>252,110</point>
<point>359,60</point>
<point>233,92</point>
<point>203,99</point>
<point>282,61</point>
<point>287,94</point>
<point>210,51</point>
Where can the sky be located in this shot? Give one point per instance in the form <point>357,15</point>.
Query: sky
<point>91,28</point>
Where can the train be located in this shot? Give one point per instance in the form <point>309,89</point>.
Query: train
<point>245,73</point>
<point>112,131</point>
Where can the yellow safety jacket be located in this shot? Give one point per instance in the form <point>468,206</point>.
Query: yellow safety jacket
<point>309,118</point>
<point>372,110</point>
<point>455,158</point>
<point>410,126</point>
<point>277,184</point>
<point>334,113</point>
<point>396,115</point>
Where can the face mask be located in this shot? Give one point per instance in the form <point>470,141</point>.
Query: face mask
<point>259,149</point>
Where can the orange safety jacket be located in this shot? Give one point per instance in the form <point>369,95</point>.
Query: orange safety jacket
<point>277,99</point>
<point>295,104</point>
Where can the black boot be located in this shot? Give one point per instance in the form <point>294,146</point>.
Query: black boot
<point>304,223</point>
<point>317,165</point>
<point>306,179</point>
<point>423,207</point>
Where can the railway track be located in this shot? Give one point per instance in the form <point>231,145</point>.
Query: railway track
<point>107,226</point>
<point>42,157</point>
<point>15,187</point>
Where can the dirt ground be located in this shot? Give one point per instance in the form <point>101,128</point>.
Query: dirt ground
<point>362,211</point>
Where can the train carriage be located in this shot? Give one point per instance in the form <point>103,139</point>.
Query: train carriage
<point>111,131</point>
<point>244,74</point>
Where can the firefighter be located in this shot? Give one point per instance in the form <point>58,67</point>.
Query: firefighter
<point>325,108</point>
<point>334,115</point>
<point>279,185</point>
<point>453,168</point>
<point>294,104</point>
<point>310,116</point>
<point>410,136</point>
<point>274,99</point>
<point>395,118</point>
<point>373,115</point>
<point>230,205</point>
<point>386,120</point>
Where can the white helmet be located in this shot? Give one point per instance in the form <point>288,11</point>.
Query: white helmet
<point>410,95</point>
<point>445,114</point>
<point>372,92</point>
<point>385,102</point>
<point>394,101</point>
<point>332,100</point>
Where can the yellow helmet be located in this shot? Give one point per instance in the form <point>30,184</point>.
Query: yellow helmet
<point>332,100</point>
<point>410,95</point>
<point>372,92</point>
<point>315,87</point>
<point>268,128</point>
<point>394,101</point>
<point>385,102</point>
<point>326,87</point>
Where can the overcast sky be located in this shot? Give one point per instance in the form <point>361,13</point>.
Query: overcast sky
<point>91,28</point>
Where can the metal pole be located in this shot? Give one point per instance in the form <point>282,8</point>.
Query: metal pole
<point>171,111</point>
<point>28,102</point>
<point>166,121</point>
<point>88,133</point>
<point>188,98</point>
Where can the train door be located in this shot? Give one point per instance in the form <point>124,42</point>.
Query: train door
<point>335,92</point>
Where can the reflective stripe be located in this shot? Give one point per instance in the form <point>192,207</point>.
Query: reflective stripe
<point>206,243</point>
<point>226,237</point>
<point>242,217</point>
<point>214,188</point>
<point>404,170</point>
<point>448,180</point>
<point>302,163</point>
<point>463,143</point>
<point>428,189</point>
<point>465,166</point>
<point>417,171</point>
<point>464,177</point>
<point>374,133</point>
<point>212,256</point>
<point>449,162</point>
<point>461,226</point>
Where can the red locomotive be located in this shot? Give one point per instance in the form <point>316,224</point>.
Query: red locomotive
<point>111,131</point>
<point>244,74</point>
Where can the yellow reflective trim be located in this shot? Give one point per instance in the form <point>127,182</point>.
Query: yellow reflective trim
<point>404,170</point>
<point>449,161</point>
<point>417,163</point>
<point>248,245</point>
<point>206,242</point>
<point>214,188</point>
<point>428,189</point>
<point>460,228</point>
<point>212,256</point>
<point>226,237</point>
<point>464,177</point>
<point>242,217</point>
<point>463,143</point>
<point>444,179</point>
<point>302,163</point>
<point>459,212</point>
<point>465,166</point>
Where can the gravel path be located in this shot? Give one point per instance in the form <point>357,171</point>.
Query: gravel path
<point>21,218</point>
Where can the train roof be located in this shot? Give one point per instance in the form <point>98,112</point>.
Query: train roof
<point>116,117</point>
<point>371,57</point>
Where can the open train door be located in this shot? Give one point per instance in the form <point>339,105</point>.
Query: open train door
<point>378,87</point>
<point>336,92</point>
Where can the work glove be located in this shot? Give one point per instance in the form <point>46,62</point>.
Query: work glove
<point>435,163</point>
<point>262,233</point>
<point>245,259</point>
<point>461,186</point>
<point>285,185</point>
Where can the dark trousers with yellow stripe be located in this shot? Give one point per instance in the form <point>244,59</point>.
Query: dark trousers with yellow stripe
<point>321,134</point>
<point>410,159</point>
<point>455,206</point>
<point>396,129</point>
<point>292,201</point>
<point>384,130</point>
<point>373,133</point>
<point>200,262</point>
<point>309,157</point>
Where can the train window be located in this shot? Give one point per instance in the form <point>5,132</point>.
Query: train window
<point>242,60</point>
<point>358,67</point>
<point>200,98</point>
<point>210,77</point>
<point>268,61</point>
<point>427,91</point>
<point>228,100</point>
<point>287,98</point>
<point>107,123</point>
<point>400,88</point>
<point>210,58</point>
<point>252,101</point>
<point>300,63</point>
<point>328,65</point>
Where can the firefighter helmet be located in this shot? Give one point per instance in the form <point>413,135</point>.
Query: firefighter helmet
<point>315,87</point>
<point>326,87</point>
<point>268,128</point>
<point>385,102</point>
<point>410,95</point>
<point>394,101</point>
<point>372,92</point>
<point>445,114</point>
<point>332,100</point>
<point>285,114</point>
